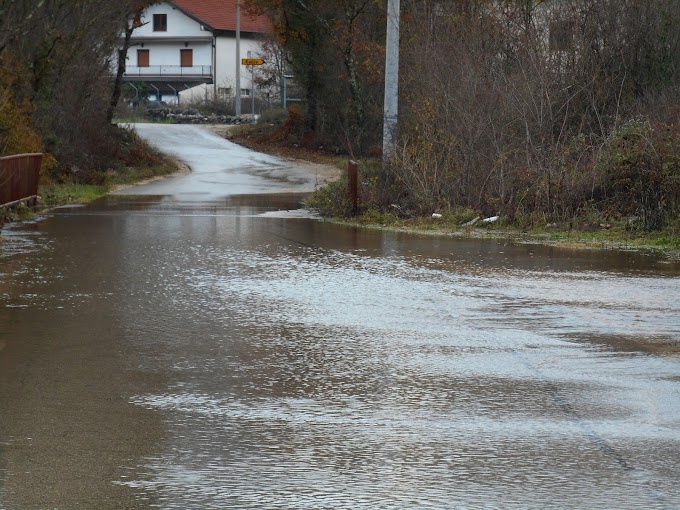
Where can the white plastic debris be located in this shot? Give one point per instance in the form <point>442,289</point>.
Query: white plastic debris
<point>436,215</point>
<point>492,219</point>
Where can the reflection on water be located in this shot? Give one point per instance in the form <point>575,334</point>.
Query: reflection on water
<point>296,364</point>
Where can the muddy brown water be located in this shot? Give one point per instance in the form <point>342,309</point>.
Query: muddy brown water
<point>156,354</point>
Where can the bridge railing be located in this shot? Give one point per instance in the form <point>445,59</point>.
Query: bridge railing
<point>19,178</point>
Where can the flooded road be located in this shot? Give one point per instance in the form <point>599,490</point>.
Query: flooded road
<point>212,352</point>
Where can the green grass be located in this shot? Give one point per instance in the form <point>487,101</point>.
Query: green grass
<point>614,235</point>
<point>20,212</point>
<point>452,223</point>
<point>53,194</point>
<point>137,174</point>
<point>58,194</point>
<point>593,232</point>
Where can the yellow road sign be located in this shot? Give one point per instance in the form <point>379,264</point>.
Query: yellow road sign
<point>252,61</point>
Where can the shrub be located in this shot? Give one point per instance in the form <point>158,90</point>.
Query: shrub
<point>275,116</point>
<point>16,134</point>
<point>642,164</point>
<point>331,200</point>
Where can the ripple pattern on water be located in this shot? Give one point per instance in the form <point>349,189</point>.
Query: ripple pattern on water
<point>294,364</point>
<point>325,378</point>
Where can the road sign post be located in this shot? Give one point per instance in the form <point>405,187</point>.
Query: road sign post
<point>237,105</point>
<point>252,61</point>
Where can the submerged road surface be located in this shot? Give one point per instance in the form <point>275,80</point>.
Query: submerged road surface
<point>208,351</point>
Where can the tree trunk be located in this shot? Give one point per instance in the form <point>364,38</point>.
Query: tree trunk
<point>118,82</point>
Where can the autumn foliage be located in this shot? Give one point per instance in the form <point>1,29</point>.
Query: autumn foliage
<point>18,136</point>
<point>336,52</point>
<point>536,110</point>
<point>55,82</point>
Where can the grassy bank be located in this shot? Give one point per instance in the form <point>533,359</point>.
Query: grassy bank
<point>129,160</point>
<point>52,194</point>
<point>271,134</point>
<point>586,231</point>
<point>609,237</point>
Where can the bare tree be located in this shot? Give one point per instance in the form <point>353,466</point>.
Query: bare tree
<point>60,52</point>
<point>132,22</point>
<point>510,105</point>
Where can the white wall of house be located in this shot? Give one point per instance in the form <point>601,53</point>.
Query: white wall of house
<point>164,47</point>
<point>202,92</point>
<point>168,53</point>
<point>183,32</point>
<point>179,24</point>
<point>225,72</point>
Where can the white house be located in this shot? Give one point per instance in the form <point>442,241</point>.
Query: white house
<point>187,49</point>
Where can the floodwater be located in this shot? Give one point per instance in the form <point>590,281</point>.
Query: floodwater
<point>223,352</point>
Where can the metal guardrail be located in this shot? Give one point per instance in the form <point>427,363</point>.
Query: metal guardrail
<point>169,71</point>
<point>19,178</point>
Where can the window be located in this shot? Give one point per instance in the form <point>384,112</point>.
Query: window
<point>224,91</point>
<point>160,22</point>
<point>142,58</point>
<point>186,58</point>
<point>245,92</point>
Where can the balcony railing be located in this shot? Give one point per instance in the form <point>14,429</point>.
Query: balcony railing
<point>169,71</point>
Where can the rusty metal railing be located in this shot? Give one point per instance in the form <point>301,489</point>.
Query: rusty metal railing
<point>19,178</point>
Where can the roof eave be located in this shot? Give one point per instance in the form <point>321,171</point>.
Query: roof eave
<point>192,16</point>
<point>244,33</point>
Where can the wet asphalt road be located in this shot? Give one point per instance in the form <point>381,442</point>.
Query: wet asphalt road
<point>199,346</point>
<point>218,166</point>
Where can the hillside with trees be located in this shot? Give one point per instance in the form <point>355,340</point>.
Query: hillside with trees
<point>56,87</point>
<point>538,110</point>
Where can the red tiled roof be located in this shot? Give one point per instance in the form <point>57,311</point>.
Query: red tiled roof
<point>221,15</point>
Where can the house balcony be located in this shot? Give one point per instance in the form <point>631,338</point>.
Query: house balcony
<point>188,74</point>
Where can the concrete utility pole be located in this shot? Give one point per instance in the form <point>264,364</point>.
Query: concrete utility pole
<point>391,107</point>
<point>237,101</point>
<point>252,85</point>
